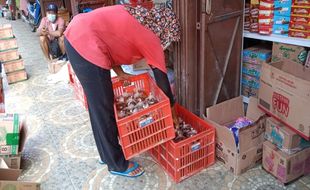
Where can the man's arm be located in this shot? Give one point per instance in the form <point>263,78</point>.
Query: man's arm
<point>60,30</point>
<point>42,30</point>
<point>57,33</point>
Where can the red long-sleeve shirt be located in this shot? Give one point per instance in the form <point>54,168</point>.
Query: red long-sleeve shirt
<point>110,36</point>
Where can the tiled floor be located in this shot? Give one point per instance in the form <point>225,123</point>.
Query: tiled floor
<point>60,151</point>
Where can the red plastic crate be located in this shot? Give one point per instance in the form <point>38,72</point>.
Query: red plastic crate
<point>79,92</point>
<point>80,95</point>
<point>77,87</point>
<point>71,73</point>
<point>148,128</point>
<point>186,158</point>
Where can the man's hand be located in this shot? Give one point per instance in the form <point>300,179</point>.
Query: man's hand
<point>122,75</point>
<point>44,32</point>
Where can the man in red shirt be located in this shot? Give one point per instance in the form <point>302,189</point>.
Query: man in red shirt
<point>51,33</point>
<point>105,39</point>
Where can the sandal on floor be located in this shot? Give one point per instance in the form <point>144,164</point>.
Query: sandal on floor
<point>101,162</point>
<point>127,173</point>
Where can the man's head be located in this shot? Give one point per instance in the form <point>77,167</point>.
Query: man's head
<point>51,13</point>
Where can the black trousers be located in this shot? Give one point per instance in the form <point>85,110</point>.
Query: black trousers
<point>97,86</point>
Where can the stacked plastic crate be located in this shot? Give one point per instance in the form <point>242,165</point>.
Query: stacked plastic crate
<point>10,58</point>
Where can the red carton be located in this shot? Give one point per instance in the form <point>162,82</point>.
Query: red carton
<point>300,26</point>
<point>299,33</point>
<point>8,44</point>
<point>301,10</point>
<point>6,31</point>
<point>300,19</point>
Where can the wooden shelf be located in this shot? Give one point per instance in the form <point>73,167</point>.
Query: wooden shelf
<point>278,38</point>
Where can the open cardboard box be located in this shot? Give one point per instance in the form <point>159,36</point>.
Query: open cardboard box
<point>9,176</point>
<point>251,138</point>
<point>10,168</point>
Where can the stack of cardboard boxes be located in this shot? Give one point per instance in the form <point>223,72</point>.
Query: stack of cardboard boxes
<point>284,95</point>
<point>253,58</point>
<point>300,22</point>
<point>247,22</point>
<point>9,56</point>
<point>280,130</point>
<point>254,10</point>
<point>265,18</point>
<point>282,14</point>
<point>12,140</point>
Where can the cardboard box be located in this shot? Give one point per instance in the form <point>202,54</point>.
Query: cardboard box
<point>19,185</point>
<point>256,55</point>
<point>6,31</point>
<point>8,44</point>
<point>283,137</point>
<point>55,66</point>
<point>9,134</point>
<point>141,65</point>
<point>9,55</point>
<point>15,65</point>
<point>294,53</point>
<point>12,161</point>
<point>16,76</point>
<point>251,138</point>
<point>9,176</point>
<point>284,167</point>
<point>284,94</point>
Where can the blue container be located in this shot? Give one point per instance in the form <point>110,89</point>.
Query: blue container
<point>282,7</point>
<point>280,29</point>
<point>250,81</point>
<point>256,55</point>
<point>281,19</point>
<point>252,69</point>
